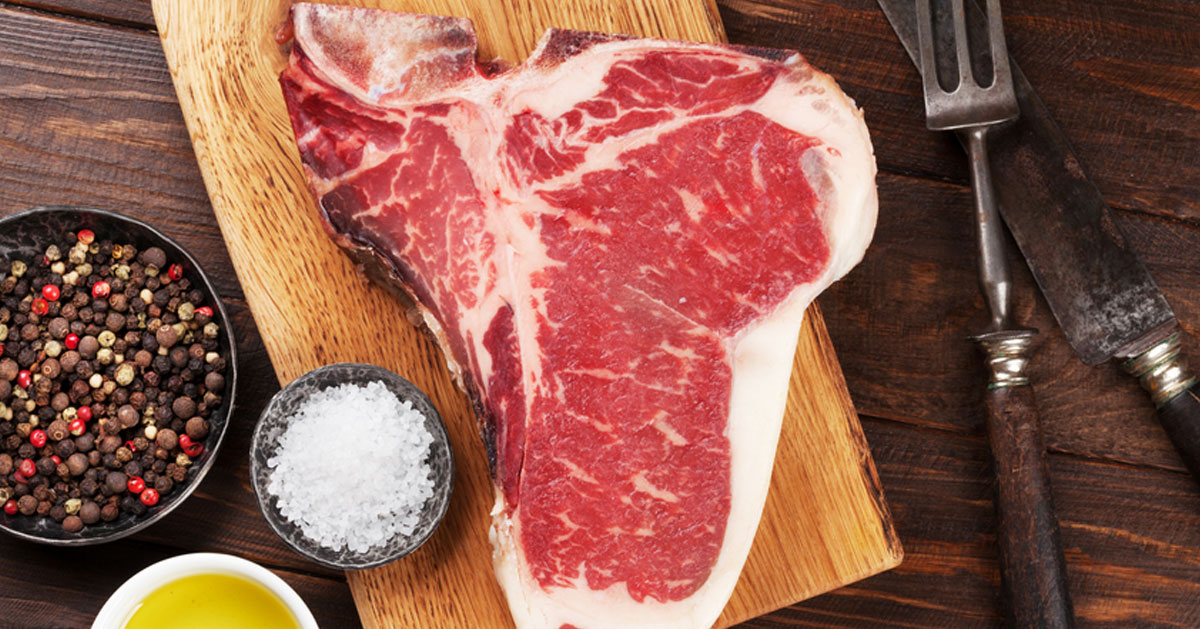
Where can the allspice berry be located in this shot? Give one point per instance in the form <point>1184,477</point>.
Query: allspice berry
<point>154,256</point>
<point>72,524</point>
<point>115,481</point>
<point>142,358</point>
<point>184,407</point>
<point>89,512</point>
<point>166,336</point>
<point>214,382</point>
<point>197,428</point>
<point>128,416</point>
<point>58,328</point>
<point>51,368</point>
<point>88,346</point>
<point>57,430</point>
<point>77,464</point>
<point>166,439</point>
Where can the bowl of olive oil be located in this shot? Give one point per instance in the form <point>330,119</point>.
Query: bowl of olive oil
<point>204,591</point>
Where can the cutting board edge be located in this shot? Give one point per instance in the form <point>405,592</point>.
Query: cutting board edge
<point>870,475</point>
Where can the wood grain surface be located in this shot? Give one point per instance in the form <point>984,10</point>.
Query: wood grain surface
<point>90,116</point>
<point>826,523</point>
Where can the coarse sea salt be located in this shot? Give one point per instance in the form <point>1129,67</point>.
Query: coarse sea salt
<point>350,469</point>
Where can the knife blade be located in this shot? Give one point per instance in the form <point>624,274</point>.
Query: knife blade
<point>1104,299</point>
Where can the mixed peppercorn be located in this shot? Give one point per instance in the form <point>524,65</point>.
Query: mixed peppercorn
<point>110,369</point>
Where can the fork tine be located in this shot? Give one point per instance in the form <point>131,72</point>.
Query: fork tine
<point>1001,73</point>
<point>925,44</point>
<point>961,44</point>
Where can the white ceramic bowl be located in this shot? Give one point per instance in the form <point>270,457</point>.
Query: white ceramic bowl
<point>121,604</point>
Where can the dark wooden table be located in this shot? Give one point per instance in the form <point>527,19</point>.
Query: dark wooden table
<point>88,115</point>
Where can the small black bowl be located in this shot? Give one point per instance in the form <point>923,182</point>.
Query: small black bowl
<point>25,236</point>
<point>273,423</point>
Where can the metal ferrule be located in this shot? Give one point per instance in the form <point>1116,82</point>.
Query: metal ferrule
<point>1007,355</point>
<point>1161,370</point>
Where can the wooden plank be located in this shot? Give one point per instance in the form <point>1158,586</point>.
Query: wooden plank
<point>302,297</point>
<point>912,360</point>
<point>1131,537</point>
<point>90,116</point>
<point>135,14</point>
<point>1119,76</point>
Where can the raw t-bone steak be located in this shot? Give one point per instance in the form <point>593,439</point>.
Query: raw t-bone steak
<point>614,242</point>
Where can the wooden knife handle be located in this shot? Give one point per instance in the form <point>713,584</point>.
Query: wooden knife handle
<point>1165,374</point>
<point>1031,557</point>
<point>1180,416</point>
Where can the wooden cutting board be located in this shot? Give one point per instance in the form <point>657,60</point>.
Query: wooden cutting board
<point>825,523</point>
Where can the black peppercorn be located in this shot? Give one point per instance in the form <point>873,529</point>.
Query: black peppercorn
<point>109,444</point>
<point>46,466</point>
<point>115,321</point>
<point>179,357</point>
<point>64,448</point>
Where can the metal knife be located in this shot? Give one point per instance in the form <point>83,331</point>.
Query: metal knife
<point>1100,293</point>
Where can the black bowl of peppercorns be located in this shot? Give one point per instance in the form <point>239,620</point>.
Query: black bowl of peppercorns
<point>117,375</point>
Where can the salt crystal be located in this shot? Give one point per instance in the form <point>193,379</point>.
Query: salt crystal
<point>350,470</point>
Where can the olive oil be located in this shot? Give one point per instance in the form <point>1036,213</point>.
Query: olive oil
<point>211,601</point>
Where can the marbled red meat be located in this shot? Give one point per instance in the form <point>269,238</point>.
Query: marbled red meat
<point>614,242</point>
